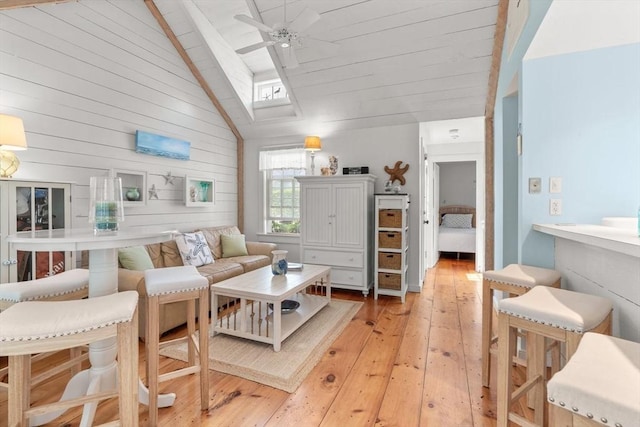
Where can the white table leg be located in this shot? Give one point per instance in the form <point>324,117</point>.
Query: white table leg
<point>277,325</point>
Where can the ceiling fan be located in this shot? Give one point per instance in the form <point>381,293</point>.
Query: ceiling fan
<point>286,35</point>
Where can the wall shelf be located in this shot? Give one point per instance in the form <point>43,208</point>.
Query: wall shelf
<point>199,191</point>
<point>132,180</point>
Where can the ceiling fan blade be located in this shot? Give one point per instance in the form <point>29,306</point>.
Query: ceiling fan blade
<point>322,45</point>
<point>289,57</point>
<point>253,47</point>
<point>259,25</point>
<point>306,19</point>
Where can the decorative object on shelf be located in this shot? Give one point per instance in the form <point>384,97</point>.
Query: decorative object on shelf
<point>133,194</point>
<point>287,306</point>
<point>333,164</point>
<point>153,192</point>
<point>163,146</point>
<point>359,170</point>
<point>105,204</point>
<point>279,263</point>
<point>204,186</point>
<point>193,194</point>
<point>12,138</point>
<point>388,186</point>
<point>397,172</point>
<point>325,171</point>
<point>312,144</point>
<point>168,178</point>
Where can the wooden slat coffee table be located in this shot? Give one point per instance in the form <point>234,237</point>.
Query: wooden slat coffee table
<point>258,315</point>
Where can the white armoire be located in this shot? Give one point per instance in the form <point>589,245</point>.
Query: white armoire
<point>336,227</point>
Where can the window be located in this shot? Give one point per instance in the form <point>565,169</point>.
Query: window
<point>282,190</point>
<point>270,93</point>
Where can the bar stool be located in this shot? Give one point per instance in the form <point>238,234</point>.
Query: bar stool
<point>163,286</point>
<point>600,385</point>
<point>67,285</point>
<point>515,279</point>
<point>543,312</point>
<point>40,326</point>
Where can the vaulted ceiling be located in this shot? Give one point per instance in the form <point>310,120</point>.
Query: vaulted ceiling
<point>396,61</point>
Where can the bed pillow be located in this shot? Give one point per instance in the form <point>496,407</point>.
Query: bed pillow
<point>135,258</point>
<point>233,245</point>
<point>457,220</point>
<point>194,249</point>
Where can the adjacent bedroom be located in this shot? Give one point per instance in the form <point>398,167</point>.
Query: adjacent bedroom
<point>457,231</point>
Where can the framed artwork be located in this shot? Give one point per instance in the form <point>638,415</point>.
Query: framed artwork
<point>163,146</point>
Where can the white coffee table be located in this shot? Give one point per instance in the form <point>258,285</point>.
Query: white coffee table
<point>258,316</point>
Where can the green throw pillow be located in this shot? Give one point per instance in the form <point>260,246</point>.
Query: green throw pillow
<point>233,245</point>
<point>135,258</point>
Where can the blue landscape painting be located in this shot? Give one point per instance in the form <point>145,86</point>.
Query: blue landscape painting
<point>158,145</point>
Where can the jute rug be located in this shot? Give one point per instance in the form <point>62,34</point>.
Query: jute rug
<point>287,368</point>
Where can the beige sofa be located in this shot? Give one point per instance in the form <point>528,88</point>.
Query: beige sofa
<point>167,255</point>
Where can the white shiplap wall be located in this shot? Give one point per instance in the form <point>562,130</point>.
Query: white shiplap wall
<point>84,76</point>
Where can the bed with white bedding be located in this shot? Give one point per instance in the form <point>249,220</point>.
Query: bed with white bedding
<point>457,232</point>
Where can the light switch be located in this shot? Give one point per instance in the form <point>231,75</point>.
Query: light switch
<point>535,185</point>
<point>555,184</point>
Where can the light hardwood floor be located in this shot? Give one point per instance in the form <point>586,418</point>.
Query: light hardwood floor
<point>412,364</point>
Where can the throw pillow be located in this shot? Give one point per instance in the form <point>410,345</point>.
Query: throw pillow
<point>135,258</point>
<point>194,249</point>
<point>457,220</point>
<point>233,245</point>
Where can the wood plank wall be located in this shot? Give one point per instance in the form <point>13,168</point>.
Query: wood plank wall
<point>84,76</point>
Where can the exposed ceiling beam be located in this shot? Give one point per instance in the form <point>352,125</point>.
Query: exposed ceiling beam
<point>214,100</point>
<point>13,4</point>
<point>489,145</point>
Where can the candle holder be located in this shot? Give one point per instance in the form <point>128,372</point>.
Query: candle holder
<point>105,204</point>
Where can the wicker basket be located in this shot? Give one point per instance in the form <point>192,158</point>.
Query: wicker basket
<point>390,239</point>
<point>389,281</point>
<point>389,260</point>
<point>391,218</point>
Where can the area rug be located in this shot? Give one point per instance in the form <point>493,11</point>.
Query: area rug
<point>285,369</point>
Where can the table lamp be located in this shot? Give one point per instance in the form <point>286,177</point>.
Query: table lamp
<point>312,144</point>
<point>12,138</point>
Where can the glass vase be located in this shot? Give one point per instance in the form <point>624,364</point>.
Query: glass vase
<point>279,263</point>
<point>105,204</point>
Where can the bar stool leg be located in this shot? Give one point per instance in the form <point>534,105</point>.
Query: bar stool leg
<point>152,352</point>
<point>487,317</point>
<point>536,365</point>
<point>128,372</point>
<point>506,347</point>
<point>203,320</point>
<point>19,388</point>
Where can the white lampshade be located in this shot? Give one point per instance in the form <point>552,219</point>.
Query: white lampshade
<point>12,138</point>
<point>12,135</point>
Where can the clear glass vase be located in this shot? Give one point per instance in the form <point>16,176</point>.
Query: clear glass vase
<point>279,263</point>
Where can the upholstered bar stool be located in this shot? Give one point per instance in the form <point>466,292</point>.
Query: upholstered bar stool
<point>600,385</point>
<point>67,285</point>
<point>166,285</point>
<point>41,326</point>
<point>543,312</point>
<point>515,279</point>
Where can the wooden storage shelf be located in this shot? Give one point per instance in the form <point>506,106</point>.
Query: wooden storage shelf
<point>391,247</point>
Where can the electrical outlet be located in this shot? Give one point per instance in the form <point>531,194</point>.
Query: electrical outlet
<point>555,207</point>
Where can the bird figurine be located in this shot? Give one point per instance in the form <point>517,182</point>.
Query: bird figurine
<point>397,172</point>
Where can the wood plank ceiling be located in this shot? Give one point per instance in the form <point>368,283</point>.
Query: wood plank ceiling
<point>398,62</point>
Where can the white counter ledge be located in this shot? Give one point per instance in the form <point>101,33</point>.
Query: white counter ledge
<point>623,240</point>
<point>601,260</point>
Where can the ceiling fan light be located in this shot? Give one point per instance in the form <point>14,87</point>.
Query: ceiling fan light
<point>285,44</point>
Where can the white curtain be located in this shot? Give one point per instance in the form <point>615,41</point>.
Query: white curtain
<point>294,158</point>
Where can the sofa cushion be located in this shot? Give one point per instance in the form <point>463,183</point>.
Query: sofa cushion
<point>170,254</point>
<point>212,234</point>
<point>135,258</point>
<point>220,270</point>
<point>194,249</point>
<point>233,245</point>
<point>251,262</point>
